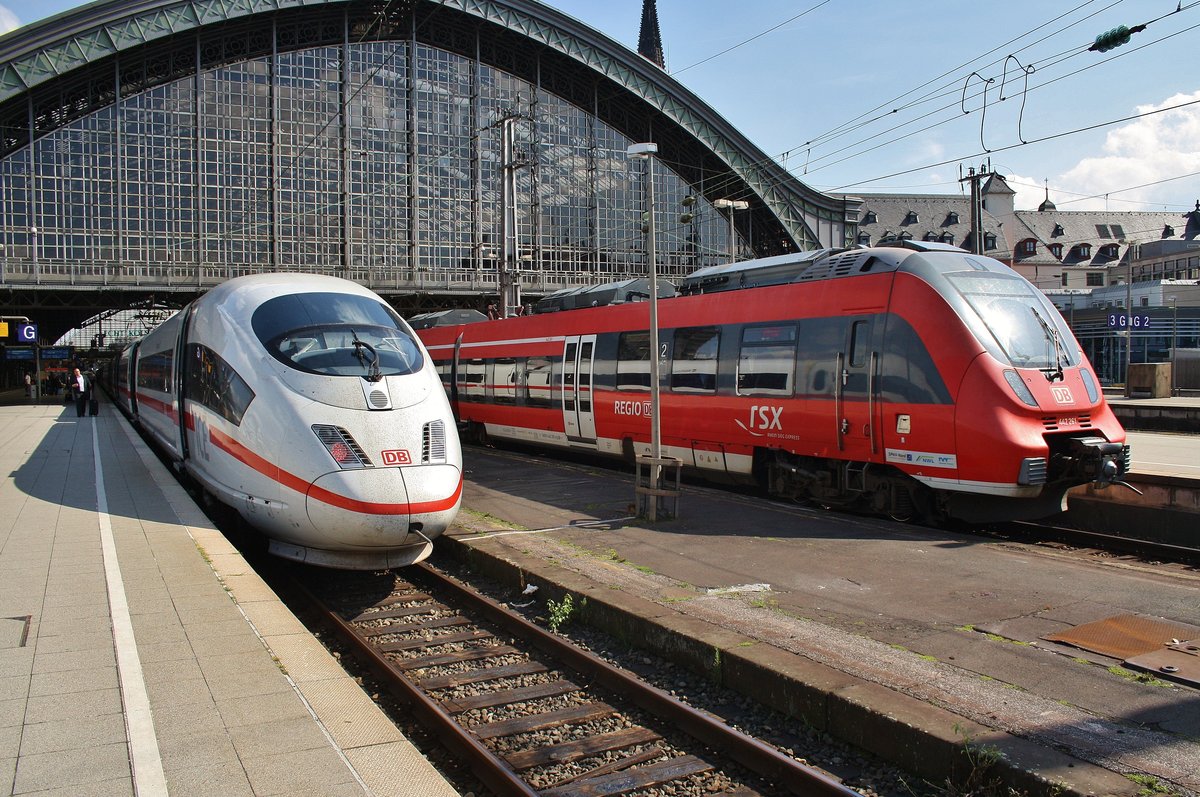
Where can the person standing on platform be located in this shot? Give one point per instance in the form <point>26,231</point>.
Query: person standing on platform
<point>83,391</point>
<point>28,385</point>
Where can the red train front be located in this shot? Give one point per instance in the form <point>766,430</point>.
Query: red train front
<point>915,381</point>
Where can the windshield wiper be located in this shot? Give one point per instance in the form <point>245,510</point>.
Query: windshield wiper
<point>361,349</point>
<point>1056,373</point>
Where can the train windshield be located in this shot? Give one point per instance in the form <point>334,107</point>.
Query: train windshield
<point>1027,329</point>
<point>337,334</point>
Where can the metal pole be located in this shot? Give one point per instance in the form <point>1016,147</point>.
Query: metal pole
<point>647,151</point>
<point>732,238</point>
<point>1128,322</point>
<point>508,197</point>
<point>1174,339</point>
<point>731,205</point>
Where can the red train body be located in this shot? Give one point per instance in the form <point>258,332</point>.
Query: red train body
<point>912,381</point>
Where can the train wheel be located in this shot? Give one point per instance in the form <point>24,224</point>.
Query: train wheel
<point>477,432</point>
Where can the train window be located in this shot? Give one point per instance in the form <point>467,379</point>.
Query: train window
<point>213,383</point>
<point>694,367</point>
<point>154,370</point>
<point>585,376</point>
<point>907,372</point>
<point>537,382</point>
<point>504,381</point>
<point>336,334</point>
<point>767,361</point>
<point>633,361</point>
<point>1028,330</point>
<point>569,363</point>
<point>471,378</point>
<point>860,343</point>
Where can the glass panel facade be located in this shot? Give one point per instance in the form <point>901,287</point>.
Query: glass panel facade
<point>380,161</point>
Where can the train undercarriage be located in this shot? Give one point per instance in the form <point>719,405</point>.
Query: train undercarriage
<point>878,489</point>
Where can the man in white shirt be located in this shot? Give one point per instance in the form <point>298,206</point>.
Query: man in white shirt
<point>83,392</point>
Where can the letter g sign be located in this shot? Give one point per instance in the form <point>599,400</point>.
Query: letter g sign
<point>27,333</point>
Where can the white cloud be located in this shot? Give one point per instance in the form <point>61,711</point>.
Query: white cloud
<point>1156,147</point>
<point>8,20</point>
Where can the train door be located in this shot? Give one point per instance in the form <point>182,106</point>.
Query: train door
<point>579,420</point>
<point>855,387</point>
<point>182,380</point>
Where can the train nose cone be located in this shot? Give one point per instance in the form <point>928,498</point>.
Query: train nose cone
<point>366,508</point>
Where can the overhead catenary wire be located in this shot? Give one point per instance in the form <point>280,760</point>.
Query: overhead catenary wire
<point>734,179</point>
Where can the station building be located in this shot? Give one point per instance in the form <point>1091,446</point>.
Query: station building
<point>162,146</point>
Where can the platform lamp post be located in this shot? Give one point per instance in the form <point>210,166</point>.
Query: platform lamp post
<point>647,152</point>
<point>1129,321</point>
<point>1174,339</point>
<point>731,205</point>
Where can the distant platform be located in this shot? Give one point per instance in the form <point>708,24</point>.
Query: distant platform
<point>1175,414</point>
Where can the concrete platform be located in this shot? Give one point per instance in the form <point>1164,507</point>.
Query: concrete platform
<point>139,654</point>
<point>1174,414</point>
<point>912,643</point>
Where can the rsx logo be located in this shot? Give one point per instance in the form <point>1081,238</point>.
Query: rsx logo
<point>764,418</point>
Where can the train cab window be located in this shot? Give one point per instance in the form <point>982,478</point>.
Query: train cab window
<point>767,361</point>
<point>336,334</point>
<point>1014,320</point>
<point>213,383</point>
<point>694,367</point>
<point>633,361</point>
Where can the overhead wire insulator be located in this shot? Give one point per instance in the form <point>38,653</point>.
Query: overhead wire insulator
<point>1114,38</point>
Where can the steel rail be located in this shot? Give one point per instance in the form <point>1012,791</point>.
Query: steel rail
<point>759,757</point>
<point>481,761</point>
<point>1112,543</point>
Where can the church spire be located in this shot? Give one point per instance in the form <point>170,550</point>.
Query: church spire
<point>1047,205</point>
<point>649,39</point>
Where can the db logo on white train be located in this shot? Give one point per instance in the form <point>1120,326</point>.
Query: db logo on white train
<point>396,457</point>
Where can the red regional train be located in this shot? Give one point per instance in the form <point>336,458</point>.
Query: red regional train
<point>917,381</point>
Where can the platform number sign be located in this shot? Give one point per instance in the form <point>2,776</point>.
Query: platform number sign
<point>27,333</point>
<point>1121,321</point>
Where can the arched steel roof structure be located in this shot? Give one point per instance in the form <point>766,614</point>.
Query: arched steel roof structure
<point>57,72</point>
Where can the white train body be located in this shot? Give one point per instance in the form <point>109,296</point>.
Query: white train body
<point>309,406</point>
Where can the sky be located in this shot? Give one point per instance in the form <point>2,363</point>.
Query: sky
<point>866,96</point>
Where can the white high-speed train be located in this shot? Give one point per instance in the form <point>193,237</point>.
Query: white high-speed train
<point>309,406</point>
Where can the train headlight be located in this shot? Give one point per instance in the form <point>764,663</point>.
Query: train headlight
<point>1020,388</point>
<point>341,446</point>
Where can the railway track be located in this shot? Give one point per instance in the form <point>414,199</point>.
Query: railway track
<point>1122,545</point>
<point>1143,541</point>
<point>533,714</point>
